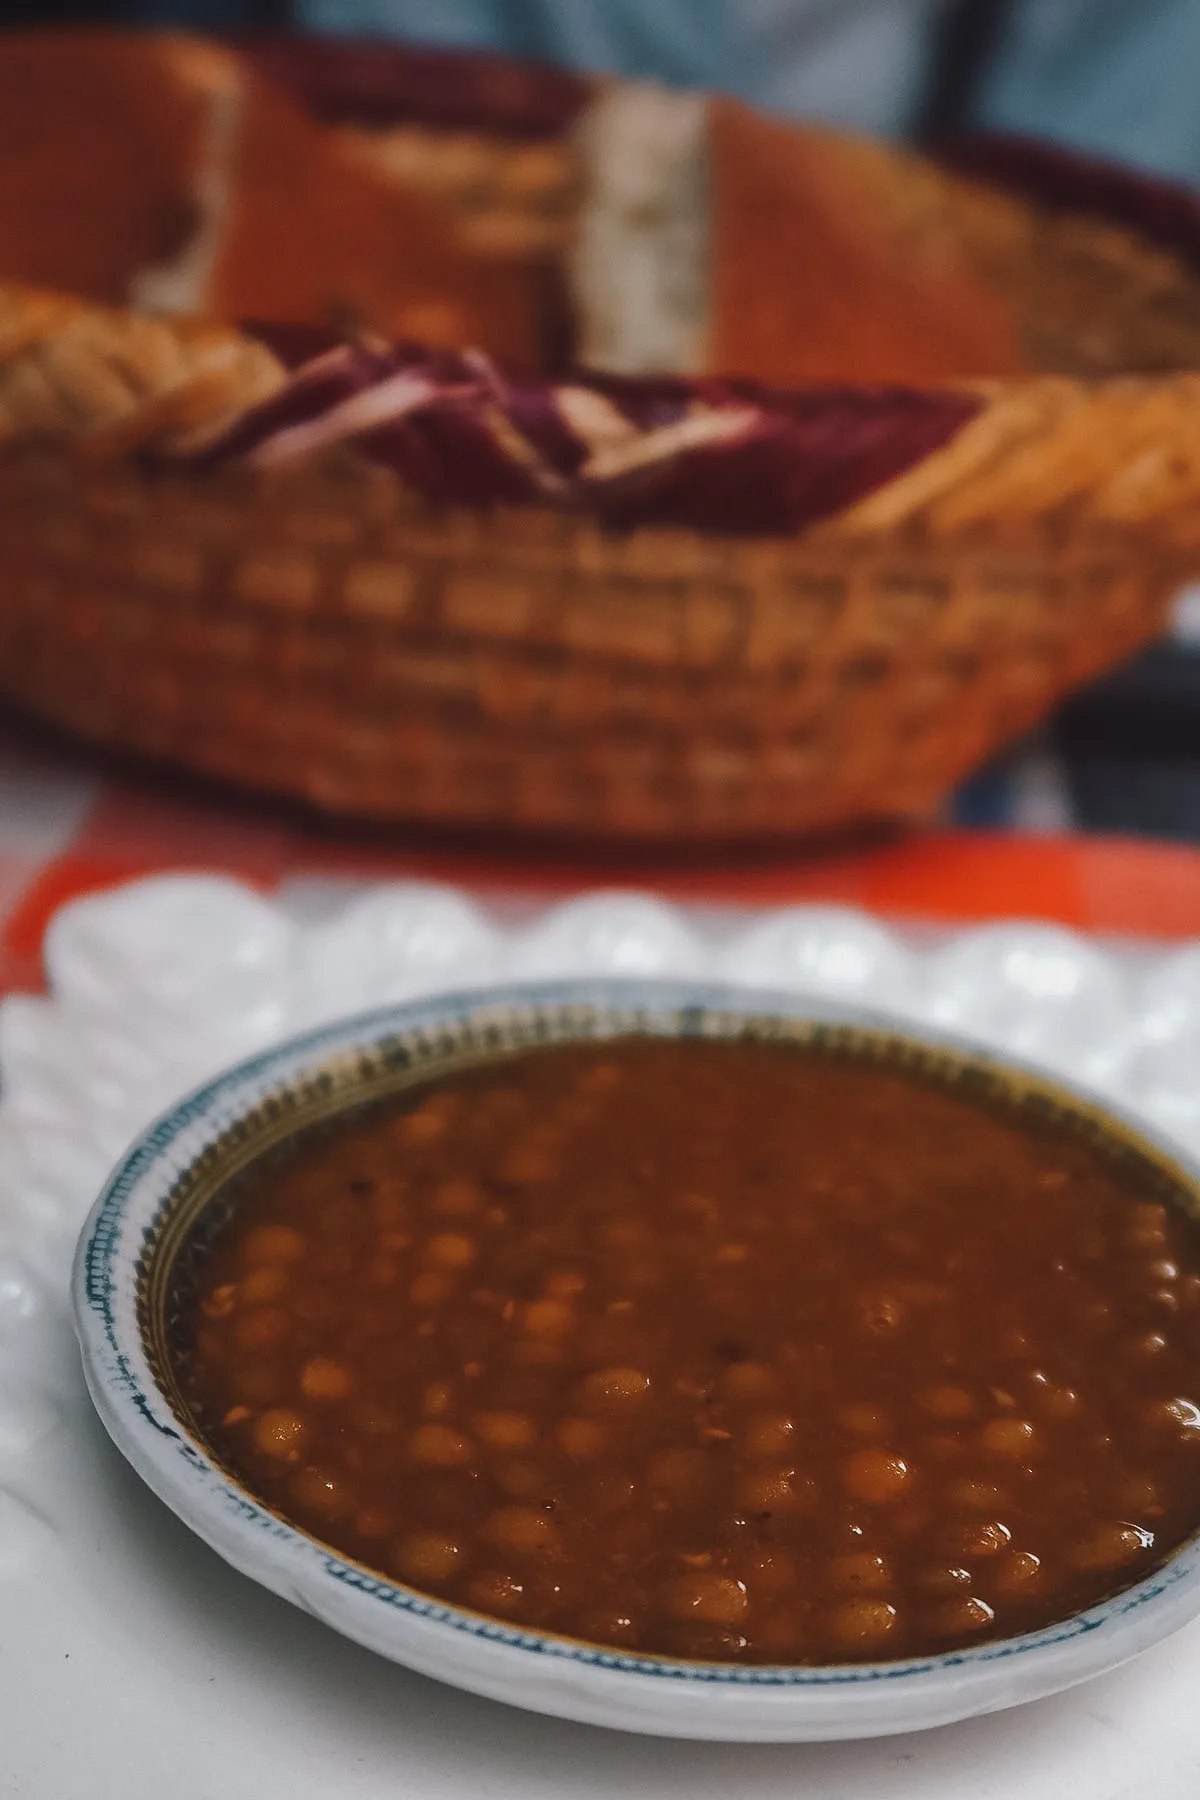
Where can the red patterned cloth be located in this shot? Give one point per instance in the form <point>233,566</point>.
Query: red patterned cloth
<point>711,455</point>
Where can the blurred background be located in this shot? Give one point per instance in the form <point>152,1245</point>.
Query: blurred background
<point>1114,78</point>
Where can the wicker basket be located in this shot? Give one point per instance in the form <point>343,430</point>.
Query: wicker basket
<point>324,635</point>
<point>320,631</point>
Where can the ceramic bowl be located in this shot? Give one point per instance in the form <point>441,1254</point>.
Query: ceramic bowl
<point>155,1203</point>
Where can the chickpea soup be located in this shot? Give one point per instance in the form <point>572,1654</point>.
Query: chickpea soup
<point>743,1351</point>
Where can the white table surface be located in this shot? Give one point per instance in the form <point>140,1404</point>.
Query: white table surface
<point>134,1665</point>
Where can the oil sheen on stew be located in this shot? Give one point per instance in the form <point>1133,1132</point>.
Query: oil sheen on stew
<point>731,1351</point>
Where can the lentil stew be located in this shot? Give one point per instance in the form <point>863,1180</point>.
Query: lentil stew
<point>741,1351</point>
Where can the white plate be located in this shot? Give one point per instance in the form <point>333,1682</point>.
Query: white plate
<point>130,1658</point>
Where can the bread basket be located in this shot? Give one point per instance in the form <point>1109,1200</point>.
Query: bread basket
<point>660,635</point>
<point>320,628</point>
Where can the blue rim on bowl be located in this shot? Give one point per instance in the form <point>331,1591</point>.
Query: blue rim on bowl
<point>120,1295</point>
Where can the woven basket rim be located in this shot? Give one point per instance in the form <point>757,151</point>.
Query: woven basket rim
<point>187,395</point>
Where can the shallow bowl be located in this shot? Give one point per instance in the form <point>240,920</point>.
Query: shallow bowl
<point>122,1292</point>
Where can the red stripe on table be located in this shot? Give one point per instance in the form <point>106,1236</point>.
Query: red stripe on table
<point>937,875</point>
<point>1145,890</point>
<point>148,829</point>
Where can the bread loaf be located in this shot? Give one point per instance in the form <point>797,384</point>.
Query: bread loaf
<point>164,172</point>
<point>713,240</point>
<point>550,221</point>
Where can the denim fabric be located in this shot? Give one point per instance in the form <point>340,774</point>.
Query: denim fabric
<point>854,62</point>
<point>1117,77</point>
<point>1114,77</point>
<point>857,63</point>
<point>692,42</point>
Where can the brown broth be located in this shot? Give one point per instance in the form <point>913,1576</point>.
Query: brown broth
<point>730,1351</point>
